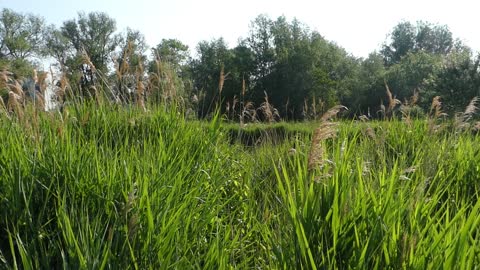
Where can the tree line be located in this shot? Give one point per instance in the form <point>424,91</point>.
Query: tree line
<point>281,66</point>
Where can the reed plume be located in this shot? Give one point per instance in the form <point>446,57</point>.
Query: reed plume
<point>326,130</point>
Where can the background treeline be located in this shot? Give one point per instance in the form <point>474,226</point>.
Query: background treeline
<point>281,70</point>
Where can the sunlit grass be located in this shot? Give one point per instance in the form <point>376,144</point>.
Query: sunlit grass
<point>105,187</point>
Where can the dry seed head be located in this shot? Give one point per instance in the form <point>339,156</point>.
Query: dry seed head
<point>4,78</point>
<point>16,88</point>
<point>14,102</point>
<point>268,110</point>
<point>221,80</point>
<point>408,120</point>
<point>195,99</point>
<point>35,76</point>
<point>234,103</point>
<point>305,107</point>
<point>249,110</point>
<point>140,86</point>
<point>392,101</point>
<point>86,59</point>
<point>471,108</point>
<point>371,133</point>
<point>366,168</point>
<point>2,105</point>
<point>415,97</point>
<point>382,108</point>
<point>436,107</point>
<point>409,170</point>
<point>227,107</point>
<point>244,87</point>
<point>325,131</point>
<point>476,127</point>
<point>363,118</point>
<point>333,112</point>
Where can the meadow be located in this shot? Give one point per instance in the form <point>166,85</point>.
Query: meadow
<point>115,187</point>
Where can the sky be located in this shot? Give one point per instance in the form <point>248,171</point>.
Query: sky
<point>359,26</point>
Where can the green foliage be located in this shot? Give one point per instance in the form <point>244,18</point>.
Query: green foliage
<point>212,56</point>
<point>58,46</point>
<point>415,72</point>
<point>133,48</point>
<point>295,69</point>
<point>19,67</point>
<point>172,72</point>
<point>458,80</point>
<point>95,33</point>
<point>21,35</point>
<point>174,52</point>
<point>370,88</point>
<point>120,188</point>
<point>424,36</point>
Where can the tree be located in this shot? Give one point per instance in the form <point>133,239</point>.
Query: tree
<point>415,72</point>
<point>174,52</point>
<point>406,37</point>
<point>58,47</point>
<point>95,34</point>
<point>206,69</point>
<point>402,40</point>
<point>21,36</point>
<point>459,80</point>
<point>370,86</point>
<point>436,39</point>
<point>260,41</point>
<point>293,65</point>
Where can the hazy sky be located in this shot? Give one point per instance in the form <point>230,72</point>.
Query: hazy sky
<point>359,26</point>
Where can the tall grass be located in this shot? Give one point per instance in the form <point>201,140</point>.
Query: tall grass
<point>117,187</point>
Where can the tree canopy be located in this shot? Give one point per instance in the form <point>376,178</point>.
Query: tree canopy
<point>281,62</point>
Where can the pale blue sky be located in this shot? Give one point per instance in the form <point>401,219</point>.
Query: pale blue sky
<point>358,26</point>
